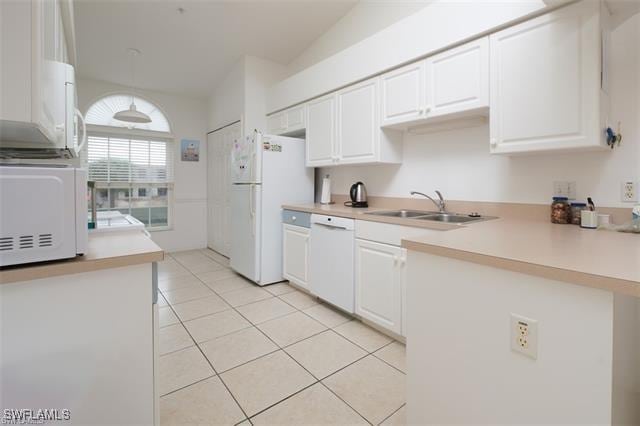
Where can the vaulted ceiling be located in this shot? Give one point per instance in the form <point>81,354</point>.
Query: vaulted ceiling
<point>188,45</point>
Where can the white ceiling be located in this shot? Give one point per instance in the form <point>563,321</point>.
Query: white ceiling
<point>189,53</point>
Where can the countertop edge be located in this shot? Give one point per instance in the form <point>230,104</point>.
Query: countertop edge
<point>616,285</point>
<point>361,215</point>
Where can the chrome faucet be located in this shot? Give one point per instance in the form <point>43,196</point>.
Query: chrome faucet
<point>440,204</point>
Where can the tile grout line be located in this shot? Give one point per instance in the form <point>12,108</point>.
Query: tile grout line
<point>217,375</point>
<point>283,349</point>
<point>246,417</point>
<point>391,415</point>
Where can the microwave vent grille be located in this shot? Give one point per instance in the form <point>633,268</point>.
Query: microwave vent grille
<point>6,243</point>
<point>45,240</point>
<point>25,242</point>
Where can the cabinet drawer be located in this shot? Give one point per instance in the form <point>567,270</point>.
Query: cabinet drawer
<point>388,233</point>
<point>293,217</point>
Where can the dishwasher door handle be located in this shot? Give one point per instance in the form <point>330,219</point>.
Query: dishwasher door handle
<point>326,225</point>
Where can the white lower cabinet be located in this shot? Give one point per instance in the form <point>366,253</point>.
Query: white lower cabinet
<point>295,254</point>
<point>380,280</point>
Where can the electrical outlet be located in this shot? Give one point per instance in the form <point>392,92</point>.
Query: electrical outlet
<point>629,194</point>
<point>524,336</point>
<point>563,188</point>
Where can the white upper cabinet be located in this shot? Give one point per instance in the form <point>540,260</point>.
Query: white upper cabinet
<point>450,84</point>
<point>457,81</point>
<point>289,122</point>
<point>545,82</point>
<point>357,132</point>
<point>321,131</point>
<point>402,94</point>
<point>344,128</point>
<point>277,124</point>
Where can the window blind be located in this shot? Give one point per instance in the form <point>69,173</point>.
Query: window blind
<point>117,159</point>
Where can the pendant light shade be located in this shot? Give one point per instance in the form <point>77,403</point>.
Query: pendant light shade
<point>132,115</point>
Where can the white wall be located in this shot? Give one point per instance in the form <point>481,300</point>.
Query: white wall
<point>363,20</point>
<point>459,164</point>
<point>188,119</point>
<point>226,103</point>
<point>242,94</point>
<point>440,24</point>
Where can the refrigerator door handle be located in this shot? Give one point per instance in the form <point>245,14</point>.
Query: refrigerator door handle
<point>252,211</point>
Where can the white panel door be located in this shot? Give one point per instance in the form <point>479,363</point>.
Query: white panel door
<point>545,82</point>
<point>378,275</point>
<point>458,80</point>
<point>402,96</point>
<point>295,254</point>
<point>219,146</point>
<point>321,131</point>
<point>358,131</point>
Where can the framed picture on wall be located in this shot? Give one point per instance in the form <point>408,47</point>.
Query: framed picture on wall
<point>190,150</point>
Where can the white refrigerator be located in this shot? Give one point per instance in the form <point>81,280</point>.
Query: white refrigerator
<point>267,172</point>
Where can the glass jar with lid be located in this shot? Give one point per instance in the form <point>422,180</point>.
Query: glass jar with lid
<point>560,210</point>
<point>576,212</point>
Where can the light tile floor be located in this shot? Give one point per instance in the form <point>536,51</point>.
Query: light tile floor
<point>235,353</point>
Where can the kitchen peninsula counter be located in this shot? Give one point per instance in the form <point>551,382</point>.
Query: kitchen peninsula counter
<point>105,251</point>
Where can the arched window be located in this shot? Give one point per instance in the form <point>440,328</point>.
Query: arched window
<point>101,113</point>
<point>131,163</point>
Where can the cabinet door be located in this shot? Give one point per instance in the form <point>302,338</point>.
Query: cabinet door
<point>402,94</point>
<point>321,131</point>
<point>295,119</point>
<point>277,123</point>
<point>458,80</point>
<point>295,254</point>
<point>358,133</point>
<point>545,82</point>
<point>379,275</point>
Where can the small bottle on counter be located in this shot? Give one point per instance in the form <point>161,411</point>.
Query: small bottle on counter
<point>576,212</point>
<point>560,210</point>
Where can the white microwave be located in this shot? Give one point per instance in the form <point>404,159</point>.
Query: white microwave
<point>43,213</point>
<point>56,128</point>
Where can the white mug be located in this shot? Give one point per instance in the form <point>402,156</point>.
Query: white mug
<point>588,219</point>
<point>604,220</point>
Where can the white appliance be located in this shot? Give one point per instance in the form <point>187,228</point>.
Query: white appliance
<point>267,171</point>
<point>331,271</point>
<point>43,213</point>
<point>34,140</point>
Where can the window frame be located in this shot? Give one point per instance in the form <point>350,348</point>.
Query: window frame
<point>116,132</point>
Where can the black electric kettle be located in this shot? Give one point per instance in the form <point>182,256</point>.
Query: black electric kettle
<point>358,194</point>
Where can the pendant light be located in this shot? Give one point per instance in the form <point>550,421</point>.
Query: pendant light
<point>132,115</point>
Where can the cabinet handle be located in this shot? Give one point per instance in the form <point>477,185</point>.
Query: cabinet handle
<point>493,142</point>
<point>427,109</point>
<point>395,260</point>
<point>293,218</point>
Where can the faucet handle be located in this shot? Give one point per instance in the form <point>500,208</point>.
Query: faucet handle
<point>440,195</point>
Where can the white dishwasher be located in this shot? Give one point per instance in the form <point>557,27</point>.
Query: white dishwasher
<point>331,254</point>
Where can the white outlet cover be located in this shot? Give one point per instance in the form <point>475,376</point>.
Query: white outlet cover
<point>629,192</point>
<point>562,188</point>
<point>517,323</point>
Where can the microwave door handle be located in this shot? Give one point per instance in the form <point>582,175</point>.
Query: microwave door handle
<point>84,130</point>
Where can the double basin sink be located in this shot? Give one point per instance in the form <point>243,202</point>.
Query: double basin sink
<point>432,216</point>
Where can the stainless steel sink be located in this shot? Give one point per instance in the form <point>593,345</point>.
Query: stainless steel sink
<point>401,213</point>
<point>450,218</point>
<point>431,216</point>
